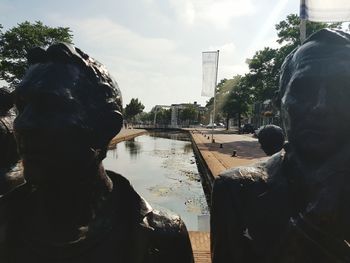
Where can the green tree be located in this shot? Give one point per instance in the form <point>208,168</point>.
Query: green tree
<point>237,101</point>
<point>264,73</point>
<point>133,108</point>
<point>164,116</point>
<point>16,41</point>
<point>146,117</point>
<point>189,114</point>
<point>218,89</point>
<point>288,31</point>
<point>222,91</point>
<point>264,67</point>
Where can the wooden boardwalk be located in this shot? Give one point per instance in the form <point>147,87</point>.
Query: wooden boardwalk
<point>218,155</point>
<point>201,246</point>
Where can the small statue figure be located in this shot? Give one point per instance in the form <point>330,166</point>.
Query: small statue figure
<point>271,139</point>
<point>71,209</point>
<point>10,171</point>
<point>294,207</point>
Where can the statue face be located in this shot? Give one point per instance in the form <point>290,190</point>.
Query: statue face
<point>316,105</point>
<point>52,129</point>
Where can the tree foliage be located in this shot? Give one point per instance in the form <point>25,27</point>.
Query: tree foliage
<point>264,73</point>
<point>288,31</point>
<point>264,67</point>
<point>235,96</point>
<point>133,108</point>
<point>218,89</point>
<point>238,100</point>
<point>189,114</point>
<point>164,116</point>
<point>15,43</point>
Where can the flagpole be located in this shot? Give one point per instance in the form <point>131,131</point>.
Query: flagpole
<point>216,81</point>
<point>302,21</point>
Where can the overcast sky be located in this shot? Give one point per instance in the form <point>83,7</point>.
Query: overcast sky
<point>153,47</point>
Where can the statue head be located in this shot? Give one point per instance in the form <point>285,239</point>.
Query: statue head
<point>69,108</point>
<point>315,92</point>
<point>271,139</point>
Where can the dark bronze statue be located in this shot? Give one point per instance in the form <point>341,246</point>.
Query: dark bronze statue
<point>70,209</point>
<point>295,207</point>
<point>271,139</point>
<point>10,168</point>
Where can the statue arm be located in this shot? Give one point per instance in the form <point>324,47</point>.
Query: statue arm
<point>303,240</point>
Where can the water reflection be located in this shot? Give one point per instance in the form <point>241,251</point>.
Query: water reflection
<point>165,173</point>
<point>188,148</point>
<point>133,147</point>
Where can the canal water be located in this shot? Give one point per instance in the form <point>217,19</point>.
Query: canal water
<point>162,168</point>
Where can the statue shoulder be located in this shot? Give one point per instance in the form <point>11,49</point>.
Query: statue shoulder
<point>169,237</point>
<point>165,232</point>
<point>244,182</point>
<point>166,223</point>
<point>11,177</point>
<point>244,206</point>
<point>127,199</point>
<point>264,171</point>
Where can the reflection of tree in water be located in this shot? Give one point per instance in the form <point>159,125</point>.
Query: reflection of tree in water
<point>188,148</point>
<point>133,147</point>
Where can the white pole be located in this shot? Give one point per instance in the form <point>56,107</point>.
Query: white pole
<point>302,22</point>
<point>216,81</point>
<point>302,30</point>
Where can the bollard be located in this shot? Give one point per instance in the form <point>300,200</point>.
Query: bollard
<point>213,141</point>
<point>234,154</point>
<point>221,145</point>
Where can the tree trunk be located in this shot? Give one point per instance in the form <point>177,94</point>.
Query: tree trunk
<point>227,121</point>
<point>239,122</point>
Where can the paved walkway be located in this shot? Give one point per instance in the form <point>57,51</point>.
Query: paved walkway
<point>219,155</point>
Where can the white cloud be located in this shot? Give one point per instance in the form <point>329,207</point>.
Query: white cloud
<point>151,69</point>
<point>153,47</point>
<point>263,38</point>
<point>227,61</point>
<point>215,12</point>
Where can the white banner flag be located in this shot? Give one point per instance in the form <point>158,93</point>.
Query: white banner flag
<point>210,69</point>
<point>325,10</point>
